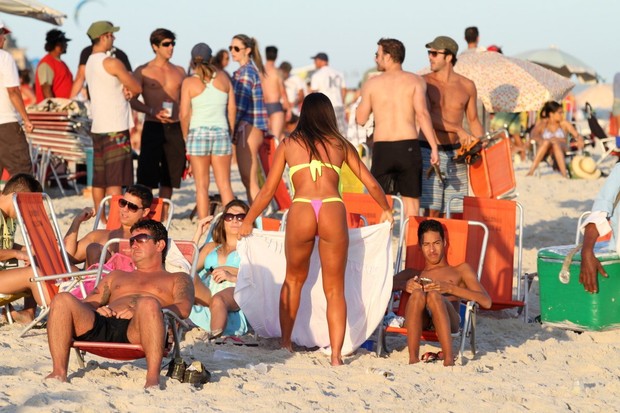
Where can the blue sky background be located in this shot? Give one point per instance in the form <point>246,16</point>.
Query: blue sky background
<point>345,29</point>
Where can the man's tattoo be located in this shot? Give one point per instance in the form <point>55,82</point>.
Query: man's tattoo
<point>105,297</point>
<point>185,288</point>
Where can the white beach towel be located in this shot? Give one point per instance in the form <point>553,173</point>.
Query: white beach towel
<point>368,284</point>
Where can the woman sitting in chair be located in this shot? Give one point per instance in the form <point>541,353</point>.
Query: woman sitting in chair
<point>215,309</point>
<point>551,136</point>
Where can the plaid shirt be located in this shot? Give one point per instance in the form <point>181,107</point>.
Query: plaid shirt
<point>249,97</point>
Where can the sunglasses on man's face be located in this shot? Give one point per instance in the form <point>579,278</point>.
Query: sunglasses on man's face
<point>140,239</point>
<point>236,48</point>
<point>168,44</point>
<point>434,53</point>
<point>130,205</point>
<point>229,217</point>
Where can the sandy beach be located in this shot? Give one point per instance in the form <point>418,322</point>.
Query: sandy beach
<point>518,367</point>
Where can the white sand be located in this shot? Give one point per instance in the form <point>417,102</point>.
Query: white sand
<point>518,366</point>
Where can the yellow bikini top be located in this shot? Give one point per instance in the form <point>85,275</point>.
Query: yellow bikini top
<point>315,167</point>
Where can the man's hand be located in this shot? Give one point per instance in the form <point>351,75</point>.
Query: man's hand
<point>28,126</point>
<point>126,313</point>
<point>440,286</point>
<point>163,117</point>
<point>413,284</point>
<point>128,93</point>
<point>434,156</point>
<point>590,268</point>
<point>106,311</point>
<point>86,214</point>
<point>23,256</point>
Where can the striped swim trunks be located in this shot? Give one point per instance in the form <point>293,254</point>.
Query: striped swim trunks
<point>207,141</point>
<point>435,194</point>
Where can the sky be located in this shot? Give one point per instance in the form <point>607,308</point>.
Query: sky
<point>347,30</point>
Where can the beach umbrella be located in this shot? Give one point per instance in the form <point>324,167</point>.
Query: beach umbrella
<point>600,96</point>
<point>562,63</point>
<point>506,84</point>
<point>34,9</point>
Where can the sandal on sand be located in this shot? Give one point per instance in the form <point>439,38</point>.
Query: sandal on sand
<point>237,341</point>
<point>430,357</point>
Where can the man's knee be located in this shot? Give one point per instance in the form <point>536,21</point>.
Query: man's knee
<point>147,306</point>
<point>416,302</point>
<point>434,300</point>
<point>64,299</point>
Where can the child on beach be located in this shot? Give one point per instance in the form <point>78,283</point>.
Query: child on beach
<point>315,153</point>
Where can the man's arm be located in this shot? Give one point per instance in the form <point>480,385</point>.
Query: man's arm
<point>116,68</point>
<point>75,249</point>
<point>16,99</point>
<point>45,74</point>
<point>183,295</point>
<point>78,82</point>
<point>590,265</point>
<point>471,111</point>
<point>13,253</point>
<point>100,295</point>
<point>420,106</point>
<point>473,290</point>
<point>362,113</point>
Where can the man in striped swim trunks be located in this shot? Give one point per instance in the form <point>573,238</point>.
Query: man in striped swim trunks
<point>447,119</point>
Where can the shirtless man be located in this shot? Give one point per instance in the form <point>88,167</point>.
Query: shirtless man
<point>435,293</point>
<point>125,307</point>
<point>398,101</point>
<point>134,206</point>
<point>276,100</point>
<point>162,151</point>
<point>451,97</point>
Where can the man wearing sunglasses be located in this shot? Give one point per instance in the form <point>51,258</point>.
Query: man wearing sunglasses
<point>162,148</point>
<point>134,206</point>
<point>125,307</point>
<point>397,100</point>
<point>451,98</point>
<point>110,86</point>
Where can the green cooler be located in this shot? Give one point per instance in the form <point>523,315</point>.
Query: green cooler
<point>568,305</point>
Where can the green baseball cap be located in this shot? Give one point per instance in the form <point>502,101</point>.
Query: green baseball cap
<point>444,43</point>
<point>100,28</point>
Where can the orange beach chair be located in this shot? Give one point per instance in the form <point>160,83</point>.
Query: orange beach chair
<point>113,214</point>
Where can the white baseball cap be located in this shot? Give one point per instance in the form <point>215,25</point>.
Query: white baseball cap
<point>3,27</point>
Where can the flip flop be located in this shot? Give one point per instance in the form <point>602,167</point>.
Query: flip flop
<point>430,357</point>
<point>237,341</point>
<point>473,148</point>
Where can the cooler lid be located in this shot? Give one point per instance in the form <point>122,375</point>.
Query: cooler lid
<point>601,250</point>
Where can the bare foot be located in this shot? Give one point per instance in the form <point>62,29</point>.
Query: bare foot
<point>60,377</point>
<point>337,361</point>
<point>152,382</point>
<point>414,360</point>
<point>23,317</point>
<point>287,346</point>
<point>447,361</point>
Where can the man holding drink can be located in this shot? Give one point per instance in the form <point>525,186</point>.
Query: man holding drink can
<point>162,150</point>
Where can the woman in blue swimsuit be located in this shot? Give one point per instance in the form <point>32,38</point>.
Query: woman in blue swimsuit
<point>215,309</point>
<point>315,152</point>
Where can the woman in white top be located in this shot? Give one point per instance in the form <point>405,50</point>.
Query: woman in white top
<point>551,135</point>
<point>207,115</point>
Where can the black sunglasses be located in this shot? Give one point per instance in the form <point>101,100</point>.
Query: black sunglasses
<point>229,217</point>
<point>140,239</point>
<point>236,48</point>
<point>434,53</point>
<point>130,205</point>
<point>168,44</point>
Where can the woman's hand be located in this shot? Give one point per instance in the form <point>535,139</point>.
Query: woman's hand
<point>220,275</point>
<point>386,215</point>
<point>202,227</point>
<point>245,229</point>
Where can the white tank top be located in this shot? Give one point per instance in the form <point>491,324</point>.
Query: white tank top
<point>109,108</point>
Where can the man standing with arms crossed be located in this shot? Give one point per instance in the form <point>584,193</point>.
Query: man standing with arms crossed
<point>162,150</point>
<point>398,101</point>
<point>110,86</point>
<point>451,97</point>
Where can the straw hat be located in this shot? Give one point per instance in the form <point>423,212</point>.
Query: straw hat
<point>584,167</point>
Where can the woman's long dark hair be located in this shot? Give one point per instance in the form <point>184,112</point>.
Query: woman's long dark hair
<point>317,123</point>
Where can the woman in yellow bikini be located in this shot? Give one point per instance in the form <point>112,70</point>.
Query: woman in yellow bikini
<point>315,152</point>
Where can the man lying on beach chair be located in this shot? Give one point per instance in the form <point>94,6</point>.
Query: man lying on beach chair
<point>125,307</point>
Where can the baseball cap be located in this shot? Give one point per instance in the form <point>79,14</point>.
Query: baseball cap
<point>100,28</point>
<point>3,27</point>
<point>444,43</point>
<point>202,50</point>
<point>56,36</point>
<point>321,56</point>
